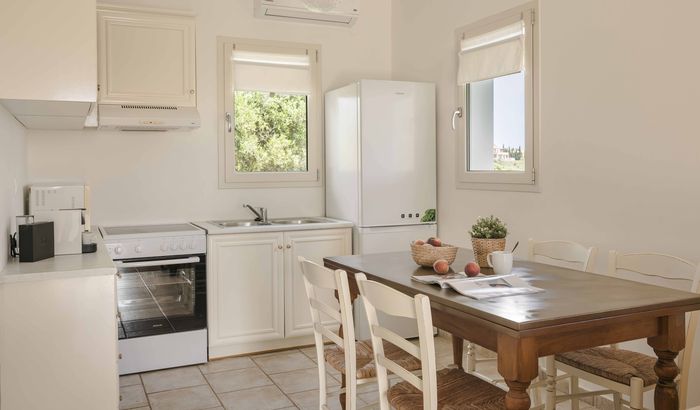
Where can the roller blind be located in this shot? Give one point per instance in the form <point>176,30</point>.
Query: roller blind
<point>285,71</point>
<point>492,54</point>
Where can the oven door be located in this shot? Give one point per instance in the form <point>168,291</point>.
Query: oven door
<point>158,296</point>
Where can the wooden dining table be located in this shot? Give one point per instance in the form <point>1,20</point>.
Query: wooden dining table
<point>576,310</point>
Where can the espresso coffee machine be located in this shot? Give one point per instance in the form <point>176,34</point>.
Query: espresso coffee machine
<point>68,207</point>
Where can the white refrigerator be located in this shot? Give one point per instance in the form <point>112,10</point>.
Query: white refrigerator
<point>381,168</point>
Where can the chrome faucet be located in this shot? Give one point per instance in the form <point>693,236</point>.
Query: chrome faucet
<point>260,214</point>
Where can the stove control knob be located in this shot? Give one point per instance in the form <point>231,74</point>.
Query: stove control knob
<point>138,249</point>
<point>118,250</point>
<point>190,245</point>
<point>163,246</point>
<point>173,246</point>
<point>182,246</point>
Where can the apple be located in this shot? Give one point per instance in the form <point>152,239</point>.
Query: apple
<point>419,242</point>
<point>435,242</point>
<point>472,269</point>
<point>441,266</point>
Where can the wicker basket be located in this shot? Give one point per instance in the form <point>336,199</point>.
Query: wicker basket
<point>426,255</point>
<point>482,247</point>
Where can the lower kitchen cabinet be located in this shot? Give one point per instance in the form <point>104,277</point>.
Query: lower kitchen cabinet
<point>59,344</point>
<point>256,297</point>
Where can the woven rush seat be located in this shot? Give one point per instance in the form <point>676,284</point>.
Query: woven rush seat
<point>613,364</point>
<point>335,357</point>
<point>456,390</point>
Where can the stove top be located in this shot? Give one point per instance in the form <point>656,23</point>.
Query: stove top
<point>140,231</point>
<point>148,241</point>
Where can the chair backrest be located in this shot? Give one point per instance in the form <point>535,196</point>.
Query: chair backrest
<point>669,271</point>
<point>562,253</point>
<point>318,279</point>
<point>379,297</point>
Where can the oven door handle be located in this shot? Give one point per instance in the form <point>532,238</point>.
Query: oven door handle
<point>121,264</point>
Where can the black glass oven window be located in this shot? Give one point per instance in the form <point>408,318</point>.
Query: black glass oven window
<point>161,299</point>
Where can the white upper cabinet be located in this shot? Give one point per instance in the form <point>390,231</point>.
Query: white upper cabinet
<point>48,74</point>
<point>146,58</point>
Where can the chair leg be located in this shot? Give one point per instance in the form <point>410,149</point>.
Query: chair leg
<point>471,357</point>
<point>342,396</point>
<point>573,389</point>
<point>636,393</point>
<point>551,397</point>
<point>617,401</point>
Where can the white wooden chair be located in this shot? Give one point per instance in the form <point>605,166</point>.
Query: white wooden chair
<point>566,254</point>
<point>598,365</point>
<point>450,388</point>
<point>354,360</point>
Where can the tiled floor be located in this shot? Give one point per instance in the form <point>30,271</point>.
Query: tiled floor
<point>281,380</point>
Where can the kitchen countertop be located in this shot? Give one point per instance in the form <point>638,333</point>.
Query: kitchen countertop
<point>61,266</point>
<point>327,223</point>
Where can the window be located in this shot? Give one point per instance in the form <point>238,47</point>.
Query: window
<point>497,100</point>
<point>270,127</point>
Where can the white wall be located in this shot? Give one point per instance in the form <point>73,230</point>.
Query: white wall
<point>620,163</point>
<point>157,177</point>
<point>12,177</point>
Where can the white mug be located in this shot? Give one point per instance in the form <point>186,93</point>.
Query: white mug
<point>500,261</point>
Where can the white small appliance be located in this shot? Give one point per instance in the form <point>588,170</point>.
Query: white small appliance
<point>161,295</point>
<point>381,168</point>
<point>68,207</point>
<point>138,117</point>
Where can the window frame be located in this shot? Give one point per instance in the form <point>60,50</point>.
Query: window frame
<point>527,180</point>
<point>228,177</point>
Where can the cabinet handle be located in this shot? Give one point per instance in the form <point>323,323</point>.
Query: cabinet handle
<point>120,356</point>
<point>279,246</point>
<point>191,92</point>
<point>289,246</point>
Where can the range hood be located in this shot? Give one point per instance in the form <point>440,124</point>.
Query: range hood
<point>140,117</point>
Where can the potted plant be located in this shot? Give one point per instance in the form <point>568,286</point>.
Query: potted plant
<point>488,235</point>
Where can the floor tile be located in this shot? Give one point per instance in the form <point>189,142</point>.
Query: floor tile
<point>132,397</point>
<point>241,379</point>
<point>284,362</point>
<point>188,398</point>
<point>231,363</point>
<point>300,380</point>
<point>259,398</point>
<point>172,379</point>
<point>310,352</point>
<point>308,400</point>
<point>129,380</point>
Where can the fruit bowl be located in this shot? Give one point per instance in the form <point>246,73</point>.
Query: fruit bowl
<point>425,255</point>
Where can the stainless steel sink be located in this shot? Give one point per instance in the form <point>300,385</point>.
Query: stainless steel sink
<point>233,224</point>
<point>295,221</point>
<point>282,221</point>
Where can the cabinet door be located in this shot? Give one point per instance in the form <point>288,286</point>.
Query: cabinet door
<point>245,288</point>
<point>146,58</point>
<point>314,246</point>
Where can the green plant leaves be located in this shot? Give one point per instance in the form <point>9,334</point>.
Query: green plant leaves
<point>489,227</point>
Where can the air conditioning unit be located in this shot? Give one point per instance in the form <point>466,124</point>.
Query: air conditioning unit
<point>334,12</point>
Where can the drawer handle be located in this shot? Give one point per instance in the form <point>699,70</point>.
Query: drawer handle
<point>289,246</point>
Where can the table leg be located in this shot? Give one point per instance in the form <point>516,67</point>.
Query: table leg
<point>517,363</point>
<point>457,350</point>
<point>667,344</point>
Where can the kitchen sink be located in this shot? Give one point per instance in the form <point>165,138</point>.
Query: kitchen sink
<point>235,224</point>
<point>295,221</point>
<point>284,221</point>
